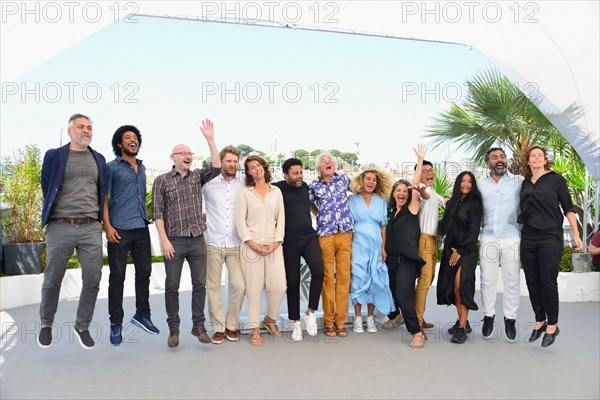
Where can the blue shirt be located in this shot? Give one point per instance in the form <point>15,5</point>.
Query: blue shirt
<point>332,200</point>
<point>127,195</point>
<point>500,205</point>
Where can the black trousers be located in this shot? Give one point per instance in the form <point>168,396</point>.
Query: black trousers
<point>310,250</point>
<point>136,241</point>
<point>403,274</point>
<point>541,259</point>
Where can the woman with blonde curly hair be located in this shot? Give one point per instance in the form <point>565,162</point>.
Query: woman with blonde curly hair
<point>370,281</point>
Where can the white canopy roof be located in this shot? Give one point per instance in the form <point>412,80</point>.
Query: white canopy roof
<point>549,47</point>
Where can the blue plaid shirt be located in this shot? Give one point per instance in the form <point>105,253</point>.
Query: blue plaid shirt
<point>127,195</point>
<point>332,200</point>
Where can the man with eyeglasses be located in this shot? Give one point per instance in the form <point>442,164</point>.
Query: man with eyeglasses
<point>428,220</point>
<point>177,212</point>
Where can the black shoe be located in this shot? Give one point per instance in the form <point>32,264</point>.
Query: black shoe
<point>460,335</point>
<point>537,333</point>
<point>452,329</point>
<point>85,339</point>
<point>45,338</point>
<point>509,329</point>
<point>488,327</point>
<point>550,337</point>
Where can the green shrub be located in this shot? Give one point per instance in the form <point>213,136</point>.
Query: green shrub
<point>566,262</point>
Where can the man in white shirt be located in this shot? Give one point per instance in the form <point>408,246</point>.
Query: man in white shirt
<point>499,242</point>
<point>428,220</point>
<point>223,246</point>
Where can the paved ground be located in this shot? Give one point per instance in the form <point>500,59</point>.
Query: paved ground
<point>376,366</point>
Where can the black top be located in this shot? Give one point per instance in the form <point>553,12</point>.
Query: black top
<point>461,223</point>
<point>402,235</point>
<point>540,212</point>
<point>298,222</point>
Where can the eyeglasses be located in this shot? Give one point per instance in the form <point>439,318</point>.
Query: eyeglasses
<point>426,171</point>
<point>184,153</point>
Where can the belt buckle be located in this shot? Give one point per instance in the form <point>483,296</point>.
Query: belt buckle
<point>72,221</point>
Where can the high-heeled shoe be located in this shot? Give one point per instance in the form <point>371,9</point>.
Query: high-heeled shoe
<point>550,337</point>
<point>535,335</point>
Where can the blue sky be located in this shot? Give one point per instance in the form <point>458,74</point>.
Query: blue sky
<point>300,89</point>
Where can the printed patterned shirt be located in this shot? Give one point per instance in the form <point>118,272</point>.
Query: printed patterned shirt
<point>127,195</point>
<point>332,200</point>
<point>177,200</point>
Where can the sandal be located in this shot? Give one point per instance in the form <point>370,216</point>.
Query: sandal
<point>418,340</point>
<point>394,323</point>
<point>271,326</point>
<point>330,331</point>
<point>341,331</point>
<point>256,339</point>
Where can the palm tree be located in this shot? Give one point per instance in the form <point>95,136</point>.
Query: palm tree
<point>496,113</point>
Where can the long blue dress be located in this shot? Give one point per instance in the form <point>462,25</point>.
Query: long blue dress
<point>370,281</point>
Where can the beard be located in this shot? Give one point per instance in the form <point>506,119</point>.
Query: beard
<point>499,170</point>
<point>130,153</point>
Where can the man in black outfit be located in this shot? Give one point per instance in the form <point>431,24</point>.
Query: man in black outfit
<point>301,240</point>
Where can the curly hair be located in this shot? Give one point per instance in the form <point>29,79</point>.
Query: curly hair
<point>384,182</point>
<point>525,159</point>
<point>118,138</point>
<point>263,163</point>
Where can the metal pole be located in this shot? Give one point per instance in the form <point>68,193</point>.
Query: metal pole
<point>586,210</point>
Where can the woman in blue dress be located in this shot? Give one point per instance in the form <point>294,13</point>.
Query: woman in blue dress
<point>370,281</point>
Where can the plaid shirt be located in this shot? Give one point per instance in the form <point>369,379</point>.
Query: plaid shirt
<point>177,200</point>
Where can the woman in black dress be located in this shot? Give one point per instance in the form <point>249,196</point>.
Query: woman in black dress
<point>461,225</point>
<point>542,240</point>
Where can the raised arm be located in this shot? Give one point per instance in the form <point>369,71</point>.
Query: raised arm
<point>208,131</point>
<point>415,203</point>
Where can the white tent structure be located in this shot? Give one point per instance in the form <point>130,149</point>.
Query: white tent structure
<point>550,48</point>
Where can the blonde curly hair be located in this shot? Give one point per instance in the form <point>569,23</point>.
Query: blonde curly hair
<point>384,182</point>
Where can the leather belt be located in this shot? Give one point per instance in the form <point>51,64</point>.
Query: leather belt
<point>75,220</point>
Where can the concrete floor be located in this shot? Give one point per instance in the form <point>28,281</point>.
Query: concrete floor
<point>376,366</point>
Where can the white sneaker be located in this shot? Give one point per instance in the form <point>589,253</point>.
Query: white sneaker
<point>297,332</point>
<point>371,327</point>
<point>358,325</point>
<point>311,324</point>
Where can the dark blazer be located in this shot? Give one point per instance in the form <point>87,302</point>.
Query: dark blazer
<point>53,170</point>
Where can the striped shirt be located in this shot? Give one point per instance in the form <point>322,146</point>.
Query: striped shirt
<point>429,217</point>
<point>177,200</point>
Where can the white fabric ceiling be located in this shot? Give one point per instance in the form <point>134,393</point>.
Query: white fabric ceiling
<point>551,45</point>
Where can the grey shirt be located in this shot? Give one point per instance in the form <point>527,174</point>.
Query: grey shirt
<point>78,193</point>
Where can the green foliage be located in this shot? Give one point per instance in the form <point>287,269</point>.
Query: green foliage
<point>495,113</point>
<point>149,203</point>
<point>20,182</point>
<point>245,149</point>
<point>335,152</point>
<point>348,157</point>
<point>441,184</point>
<point>566,262</point>
<point>315,153</point>
<point>301,153</point>
<point>206,163</point>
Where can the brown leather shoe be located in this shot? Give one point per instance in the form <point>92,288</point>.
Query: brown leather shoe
<point>173,340</point>
<point>218,338</point>
<point>232,336</point>
<point>201,334</point>
<point>426,325</point>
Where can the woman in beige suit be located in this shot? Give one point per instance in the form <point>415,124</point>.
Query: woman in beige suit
<point>260,221</point>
